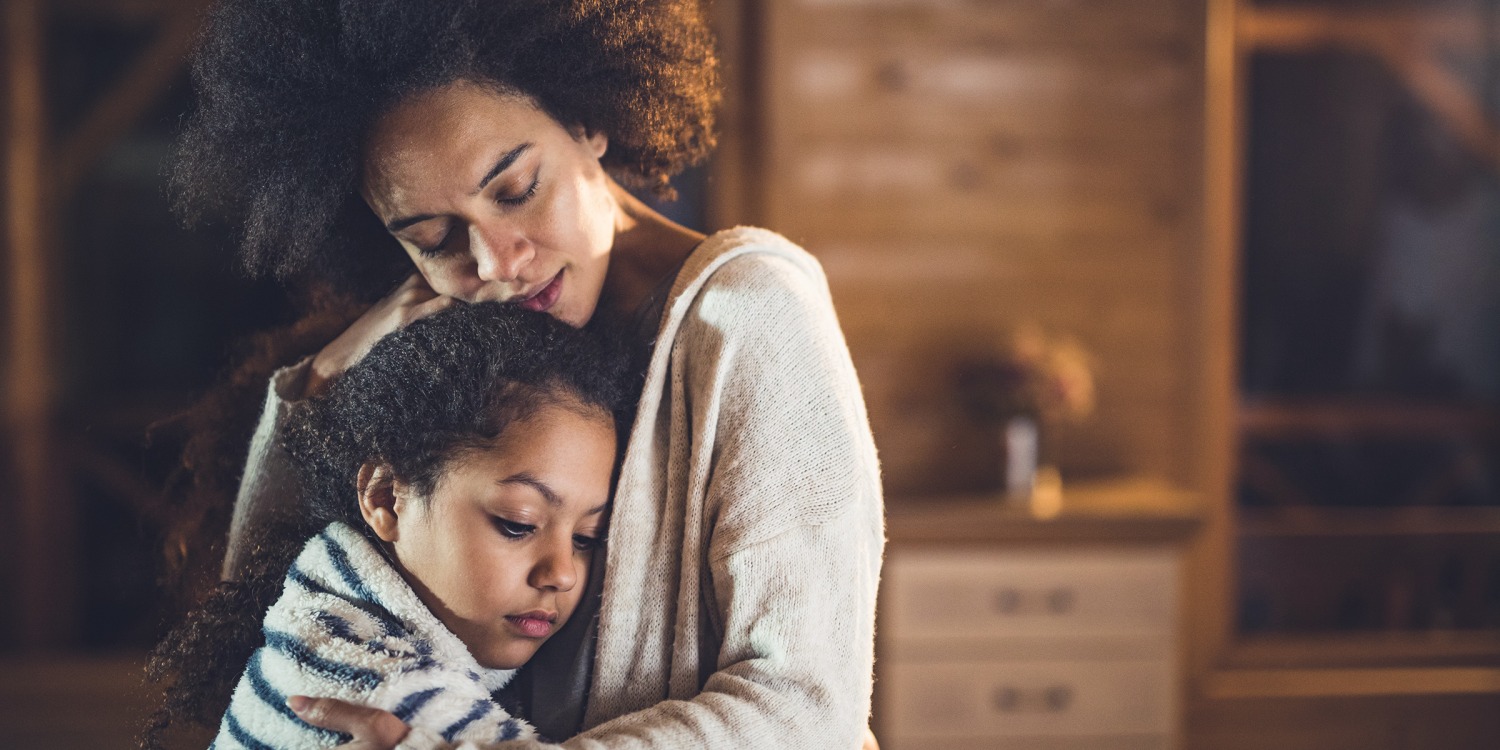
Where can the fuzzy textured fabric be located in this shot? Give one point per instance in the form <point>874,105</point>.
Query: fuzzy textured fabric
<point>348,626</point>
<point>747,532</point>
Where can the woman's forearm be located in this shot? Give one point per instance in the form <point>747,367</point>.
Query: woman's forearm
<point>269,482</point>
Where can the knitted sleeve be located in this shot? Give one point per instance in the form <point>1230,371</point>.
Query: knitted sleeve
<point>789,485</point>
<point>269,482</point>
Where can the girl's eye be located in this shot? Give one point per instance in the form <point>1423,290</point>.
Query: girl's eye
<point>512,529</point>
<point>516,200</point>
<point>586,543</point>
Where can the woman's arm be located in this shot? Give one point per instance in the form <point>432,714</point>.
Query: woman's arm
<point>269,484</point>
<point>793,494</point>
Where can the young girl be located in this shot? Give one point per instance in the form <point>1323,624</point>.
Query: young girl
<point>459,478</point>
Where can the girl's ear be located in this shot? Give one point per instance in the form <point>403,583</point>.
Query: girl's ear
<point>376,485</point>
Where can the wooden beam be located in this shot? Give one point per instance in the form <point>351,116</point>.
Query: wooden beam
<point>1408,43</point>
<point>44,528</point>
<point>152,72</point>
<point>1310,29</point>
<point>1211,586</point>
<point>1454,104</point>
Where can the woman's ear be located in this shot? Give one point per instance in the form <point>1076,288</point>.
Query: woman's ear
<point>595,140</point>
<point>376,485</point>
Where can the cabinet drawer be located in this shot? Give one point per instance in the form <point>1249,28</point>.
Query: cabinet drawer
<point>1018,699</point>
<point>1108,742</point>
<point>1034,593</point>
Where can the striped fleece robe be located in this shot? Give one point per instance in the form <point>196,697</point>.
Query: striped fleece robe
<point>348,626</point>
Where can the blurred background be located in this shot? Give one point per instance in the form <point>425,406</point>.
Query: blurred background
<point>1178,322</point>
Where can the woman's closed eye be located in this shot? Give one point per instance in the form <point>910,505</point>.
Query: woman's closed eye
<point>512,198</point>
<point>585,543</point>
<point>438,248</point>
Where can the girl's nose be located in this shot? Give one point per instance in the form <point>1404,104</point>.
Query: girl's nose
<point>498,255</point>
<point>555,568</point>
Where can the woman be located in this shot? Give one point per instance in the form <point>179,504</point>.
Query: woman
<point>489,139</point>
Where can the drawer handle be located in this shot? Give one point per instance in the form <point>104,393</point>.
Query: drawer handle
<point>1007,601</point>
<point>1054,699</point>
<point>893,76</point>
<point>1058,698</point>
<point>1061,601</point>
<point>1007,699</point>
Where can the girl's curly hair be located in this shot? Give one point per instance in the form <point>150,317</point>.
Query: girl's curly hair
<point>422,397</point>
<point>288,89</point>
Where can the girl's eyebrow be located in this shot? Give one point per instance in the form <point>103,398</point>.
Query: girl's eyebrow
<point>503,163</point>
<point>545,490</point>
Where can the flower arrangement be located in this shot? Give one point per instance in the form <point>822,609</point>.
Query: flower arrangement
<point>1045,377</point>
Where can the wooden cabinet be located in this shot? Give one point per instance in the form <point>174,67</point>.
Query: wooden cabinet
<point>1009,631</point>
<point>1017,647</point>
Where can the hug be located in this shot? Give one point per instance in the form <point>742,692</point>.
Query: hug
<point>574,473</point>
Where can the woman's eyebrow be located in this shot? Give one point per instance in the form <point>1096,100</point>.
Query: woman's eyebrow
<point>503,163</point>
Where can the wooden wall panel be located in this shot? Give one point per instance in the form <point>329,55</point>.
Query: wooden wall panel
<point>962,169</point>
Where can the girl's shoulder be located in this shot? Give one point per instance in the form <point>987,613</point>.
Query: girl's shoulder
<point>343,613</point>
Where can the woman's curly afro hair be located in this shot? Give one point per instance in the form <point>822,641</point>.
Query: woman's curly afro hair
<point>288,89</point>
<point>423,396</point>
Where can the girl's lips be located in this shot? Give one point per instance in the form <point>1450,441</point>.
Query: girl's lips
<point>532,624</point>
<point>544,299</point>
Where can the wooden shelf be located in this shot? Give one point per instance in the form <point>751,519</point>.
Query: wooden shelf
<point>1107,511</point>
<point>1239,684</point>
<point>1362,418</point>
<point>1335,522</point>
<point>1369,649</point>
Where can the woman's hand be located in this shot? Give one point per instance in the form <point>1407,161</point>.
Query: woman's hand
<point>372,728</point>
<point>411,301</point>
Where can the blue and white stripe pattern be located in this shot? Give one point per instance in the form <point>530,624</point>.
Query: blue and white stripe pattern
<point>348,626</point>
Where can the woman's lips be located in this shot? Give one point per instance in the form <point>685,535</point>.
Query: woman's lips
<point>544,299</point>
<point>533,624</point>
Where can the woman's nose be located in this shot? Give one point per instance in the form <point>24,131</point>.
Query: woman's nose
<point>498,256</point>
<point>555,568</point>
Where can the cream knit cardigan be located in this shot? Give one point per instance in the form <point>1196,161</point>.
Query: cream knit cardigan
<point>747,532</point>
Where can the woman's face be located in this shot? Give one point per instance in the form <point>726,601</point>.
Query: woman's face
<point>493,200</point>
<point>500,549</point>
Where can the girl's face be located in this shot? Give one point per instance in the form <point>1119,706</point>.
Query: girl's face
<point>500,550</point>
<point>493,200</point>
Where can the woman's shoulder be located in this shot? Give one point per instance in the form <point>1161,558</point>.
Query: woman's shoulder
<point>750,273</point>
<point>750,256</point>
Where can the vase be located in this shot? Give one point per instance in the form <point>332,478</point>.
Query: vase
<point>1020,455</point>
